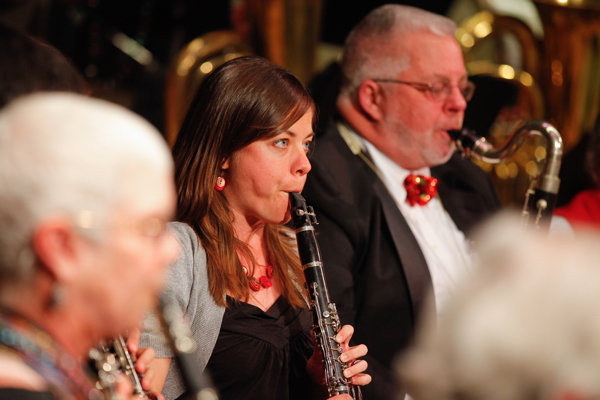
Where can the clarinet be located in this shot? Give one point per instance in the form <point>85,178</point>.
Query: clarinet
<point>198,384</point>
<point>127,363</point>
<point>326,322</point>
<point>110,359</point>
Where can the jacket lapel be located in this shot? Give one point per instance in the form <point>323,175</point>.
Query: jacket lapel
<point>413,262</point>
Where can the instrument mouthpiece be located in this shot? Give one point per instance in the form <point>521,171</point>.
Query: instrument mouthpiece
<point>455,134</point>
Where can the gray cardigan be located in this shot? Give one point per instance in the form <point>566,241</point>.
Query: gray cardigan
<point>187,286</point>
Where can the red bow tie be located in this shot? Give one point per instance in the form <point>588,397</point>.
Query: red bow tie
<point>420,189</point>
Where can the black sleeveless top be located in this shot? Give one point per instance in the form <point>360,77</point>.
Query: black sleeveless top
<point>262,355</point>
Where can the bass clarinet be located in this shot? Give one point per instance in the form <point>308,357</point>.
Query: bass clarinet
<point>540,199</point>
<point>326,322</point>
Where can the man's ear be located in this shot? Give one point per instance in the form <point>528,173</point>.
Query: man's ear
<point>55,245</point>
<point>370,98</point>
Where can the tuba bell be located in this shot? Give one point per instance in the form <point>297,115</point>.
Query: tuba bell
<point>563,65</point>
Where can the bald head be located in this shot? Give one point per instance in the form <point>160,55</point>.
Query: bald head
<point>66,154</point>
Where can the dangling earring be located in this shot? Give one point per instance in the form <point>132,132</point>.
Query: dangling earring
<point>58,296</point>
<point>220,183</point>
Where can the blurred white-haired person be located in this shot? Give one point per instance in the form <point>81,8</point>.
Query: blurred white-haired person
<point>86,188</point>
<point>524,326</point>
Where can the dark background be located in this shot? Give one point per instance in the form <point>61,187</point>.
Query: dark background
<point>82,30</point>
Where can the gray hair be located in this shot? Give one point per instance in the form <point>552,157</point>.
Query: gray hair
<point>368,51</point>
<point>526,325</point>
<point>64,154</point>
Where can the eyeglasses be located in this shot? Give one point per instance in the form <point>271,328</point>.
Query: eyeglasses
<point>440,91</point>
<point>152,227</point>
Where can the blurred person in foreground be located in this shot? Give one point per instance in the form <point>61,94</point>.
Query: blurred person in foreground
<point>386,237</point>
<point>86,189</point>
<point>524,326</point>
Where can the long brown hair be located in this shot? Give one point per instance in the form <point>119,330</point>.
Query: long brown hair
<point>244,100</point>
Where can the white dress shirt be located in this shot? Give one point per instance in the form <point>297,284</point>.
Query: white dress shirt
<point>444,246</point>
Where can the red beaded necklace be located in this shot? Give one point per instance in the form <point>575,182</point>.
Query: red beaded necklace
<point>262,282</point>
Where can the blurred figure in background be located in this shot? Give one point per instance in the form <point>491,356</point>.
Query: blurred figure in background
<point>29,65</point>
<point>525,326</point>
<point>31,16</point>
<point>584,208</point>
<point>86,189</point>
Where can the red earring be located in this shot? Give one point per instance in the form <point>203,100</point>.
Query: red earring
<point>220,183</point>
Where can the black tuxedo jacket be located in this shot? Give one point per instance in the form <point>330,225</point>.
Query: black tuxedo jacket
<point>375,270</point>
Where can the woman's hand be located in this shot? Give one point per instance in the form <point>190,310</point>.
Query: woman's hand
<point>350,355</point>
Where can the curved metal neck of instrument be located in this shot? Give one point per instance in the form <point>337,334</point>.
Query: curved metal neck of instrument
<point>477,147</point>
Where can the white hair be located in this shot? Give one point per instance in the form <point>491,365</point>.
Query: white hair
<point>526,325</point>
<point>371,48</point>
<point>64,154</point>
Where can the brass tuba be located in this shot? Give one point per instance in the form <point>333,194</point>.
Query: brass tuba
<point>563,66</point>
<point>284,31</point>
<point>197,59</point>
